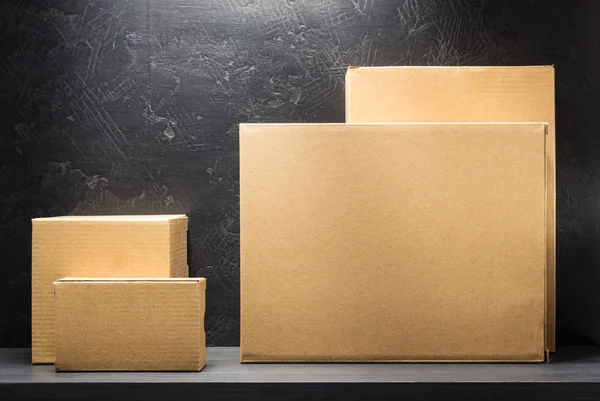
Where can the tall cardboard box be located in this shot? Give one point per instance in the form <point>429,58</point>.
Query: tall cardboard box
<point>130,324</point>
<point>465,94</point>
<point>98,246</point>
<point>392,242</point>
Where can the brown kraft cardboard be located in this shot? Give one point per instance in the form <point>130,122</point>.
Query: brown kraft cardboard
<point>465,94</point>
<point>392,242</point>
<point>130,324</point>
<point>99,246</point>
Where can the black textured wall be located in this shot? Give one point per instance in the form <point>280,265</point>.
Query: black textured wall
<point>132,106</point>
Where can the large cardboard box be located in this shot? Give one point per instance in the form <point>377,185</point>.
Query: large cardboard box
<point>392,242</point>
<point>98,246</point>
<point>130,324</point>
<point>465,94</point>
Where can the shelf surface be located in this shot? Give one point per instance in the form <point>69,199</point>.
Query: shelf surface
<point>572,369</point>
<point>580,364</point>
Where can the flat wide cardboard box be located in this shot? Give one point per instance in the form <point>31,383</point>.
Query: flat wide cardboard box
<point>465,94</point>
<point>130,324</point>
<point>98,246</point>
<point>392,242</point>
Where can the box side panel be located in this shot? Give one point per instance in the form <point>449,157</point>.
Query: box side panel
<point>409,242</point>
<point>127,326</point>
<point>178,243</point>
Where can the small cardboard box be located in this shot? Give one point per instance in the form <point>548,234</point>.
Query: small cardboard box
<point>465,94</point>
<point>130,324</point>
<point>392,242</point>
<point>99,246</point>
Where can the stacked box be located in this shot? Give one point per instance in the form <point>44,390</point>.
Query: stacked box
<point>99,246</point>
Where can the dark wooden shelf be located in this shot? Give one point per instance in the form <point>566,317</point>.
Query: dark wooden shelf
<point>574,373</point>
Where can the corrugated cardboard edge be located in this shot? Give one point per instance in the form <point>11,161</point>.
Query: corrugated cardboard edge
<point>57,366</point>
<point>201,329</point>
<point>549,332</point>
<point>176,225</point>
<point>551,286</point>
<point>347,79</point>
<point>551,242</point>
<point>201,281</point>
<point>35,358</point>
<point>241,281</point>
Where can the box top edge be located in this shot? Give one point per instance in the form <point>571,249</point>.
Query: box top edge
<point>403,124</point>
<point>129,280</point>
<point>545,66</point>
<point>114,218</point>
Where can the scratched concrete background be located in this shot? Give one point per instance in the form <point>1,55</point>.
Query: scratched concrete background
<point>132,106</point>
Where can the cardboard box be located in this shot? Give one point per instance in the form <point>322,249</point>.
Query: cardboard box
<point>392,242</point>
<point>130,324</point>
<point>465,94</point>
<point>98,246</point>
